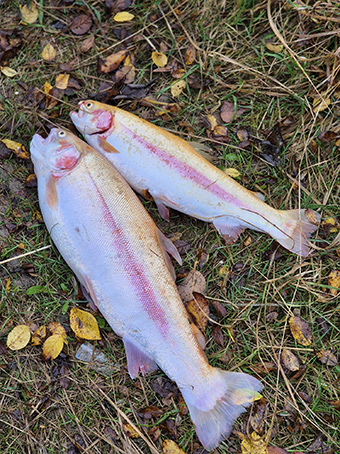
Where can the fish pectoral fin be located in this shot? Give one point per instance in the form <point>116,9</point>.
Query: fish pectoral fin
<point>229,228</point>
<point>88,291</point>
<point>137,359</point>
<point>88,298</point>
<point>259,195</point>
<point>200,337</point>
<point>106,146</point>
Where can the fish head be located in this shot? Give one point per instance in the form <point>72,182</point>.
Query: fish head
<point>59,153</point>
<point>93,118</point>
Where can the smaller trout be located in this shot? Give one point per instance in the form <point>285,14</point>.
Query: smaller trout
<point>121,259</point>
<point>167,169</point>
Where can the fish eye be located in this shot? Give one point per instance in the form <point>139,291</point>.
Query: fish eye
<point>61,134</point>
<point>89,105</point>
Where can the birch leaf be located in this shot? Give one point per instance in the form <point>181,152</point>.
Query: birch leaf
<point>52,347</point>
<point>334,281</point>
<point>29,14</point>
<point>19,337</point>
<point>159,59</point>
<point>39,335</point>
<point>177,88</point>
<point>84,324</point>
<point>300,330</point>
<point>233,173</point>
<point>170,447</point>
<point>62,81</point>
<point>57,328</point>
<point>253,444</point>
<point>49,53</point>
<point>321,103</point>
<point>7,71</point>
<point>123,16</point>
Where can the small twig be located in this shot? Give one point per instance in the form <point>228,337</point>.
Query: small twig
<point>25,255</point>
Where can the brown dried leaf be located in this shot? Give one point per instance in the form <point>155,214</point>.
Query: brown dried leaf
<point>289,360</point>
<point>81,24</point>
<point>334,281</point>
<point>190,55</point>
<point>198,309</point>
<point>170,447</point>
<point>112,62</point>
<point>335,404</point>
<point>217,335</point>
<point>300,330</point>
<point>57,328</point>
<point>31,181</point>
<point>194,282</point>
<point>321,102</point>
<point>257,418</point>
<point>219,308</point>
<point>263,368</point>
<point>328,136</point>
<point>129,430</point>
<point>327,357</point>
<point>64,377</point>
<point>87,44</point>
<point>276,450</point>
<point>228,113</point>
<point>39,335</point>
<point>150,412</point>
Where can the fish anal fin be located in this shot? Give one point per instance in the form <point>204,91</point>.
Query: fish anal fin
<point>137,360</point>
<point>229,228</point>
<point>106,146</point>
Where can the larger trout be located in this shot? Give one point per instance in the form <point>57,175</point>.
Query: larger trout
<point>116,251</point>
<point>156,163</point>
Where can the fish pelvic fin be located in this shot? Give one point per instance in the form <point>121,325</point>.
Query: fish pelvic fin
<point>169,248</point>
<point>297,229</point>
<point>137,359</point>
<point>215,408</point>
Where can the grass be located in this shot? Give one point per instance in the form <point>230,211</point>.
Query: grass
<point>37,414</point>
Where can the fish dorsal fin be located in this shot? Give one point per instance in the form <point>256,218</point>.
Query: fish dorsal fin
<point>137,359</point>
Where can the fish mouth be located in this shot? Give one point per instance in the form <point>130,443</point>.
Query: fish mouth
<point>93,126</point>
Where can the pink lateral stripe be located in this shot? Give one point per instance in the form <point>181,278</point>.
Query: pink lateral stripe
<point>184,169</point>
<point>134,270</point>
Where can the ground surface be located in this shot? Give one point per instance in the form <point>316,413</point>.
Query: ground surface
<point>274,60</point>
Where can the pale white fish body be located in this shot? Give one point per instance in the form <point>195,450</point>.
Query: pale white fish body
<point>119,256</point>
<point>158,163</point>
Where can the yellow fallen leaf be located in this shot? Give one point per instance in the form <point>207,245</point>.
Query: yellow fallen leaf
<point>321,103</point>
<point>177,88</point>
<point>19,337</point>
<point>52,346</point>
<point>330,221</point>
<point>159,59</point>
<point>62,81</point>
<point>233,173</point>
<point>123,16</point>
<point>7,71</point>
<point>334,281</point>
<point>274,47</point>
<point>244,396</point>
<point>49,53</point>
<point>17,148</point>
<point>57,328</point>
<point>253,444</point>
<point>130,431</point>
<point>300,330</point>
<point>7,284</point>
<point>84,324</point>
<point>39,335</point>
<point>170,447</point>
<point>29,14</point>
<point>47,88</point>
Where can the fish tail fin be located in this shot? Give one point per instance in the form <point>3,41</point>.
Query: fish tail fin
<point>215,407</point>
<point>296,230</point>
